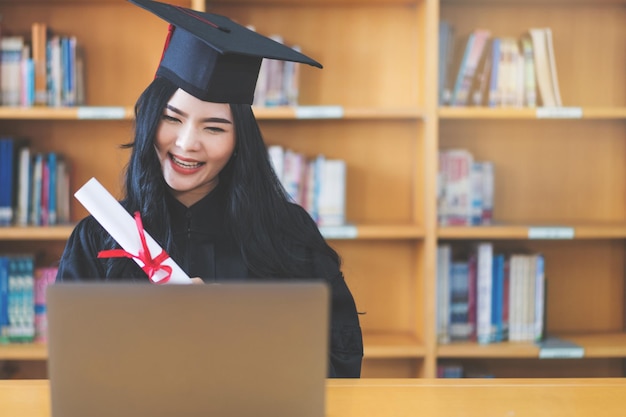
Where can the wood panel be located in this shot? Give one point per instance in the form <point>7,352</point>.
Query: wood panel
<point>356,45</point>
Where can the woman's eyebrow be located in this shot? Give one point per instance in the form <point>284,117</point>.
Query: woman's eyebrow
<point>205,120</point>
<point>216,120</point>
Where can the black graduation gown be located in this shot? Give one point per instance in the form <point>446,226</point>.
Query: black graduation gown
<point>205,249</point>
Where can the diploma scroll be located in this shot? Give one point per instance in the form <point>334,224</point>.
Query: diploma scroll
<point>122,227</point>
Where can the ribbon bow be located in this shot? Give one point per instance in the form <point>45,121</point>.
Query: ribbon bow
<point>150,265</point>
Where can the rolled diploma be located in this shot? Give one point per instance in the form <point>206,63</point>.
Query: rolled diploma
<point>122,227</point>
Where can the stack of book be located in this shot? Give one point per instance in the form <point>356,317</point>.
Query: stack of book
<point>483,70</point>
<point>278,81</point>
<point>465,189</point>
<point>41,68</point>
<point>34,186</point>
<point>317,184</point>
<point>22,299</point>
<point>489,297</point>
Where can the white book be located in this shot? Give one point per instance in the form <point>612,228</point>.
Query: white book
<point>529,297</point>
<point>539,296</point>
<point>277,156</point>
<point>553,71</point>
<point>542,67</point>
<point>484,283</point>
<point>23,186</point>
<point>331,205</point>
<point>458,165</point>
<point>444,259</point>
<point>513,297</point>
<point>11,70</point>
<point>293,171</point>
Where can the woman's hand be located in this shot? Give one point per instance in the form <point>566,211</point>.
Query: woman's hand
<point>197,280</point>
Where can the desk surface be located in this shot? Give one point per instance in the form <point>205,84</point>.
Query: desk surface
<point>414,397</point>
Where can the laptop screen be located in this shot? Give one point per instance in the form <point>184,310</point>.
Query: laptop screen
<point>230,349</point>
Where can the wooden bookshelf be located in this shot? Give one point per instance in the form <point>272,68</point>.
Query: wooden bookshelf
<point>561,173</point>
<point>559,181</point>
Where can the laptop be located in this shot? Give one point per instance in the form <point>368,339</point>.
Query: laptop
<point>230,349</point>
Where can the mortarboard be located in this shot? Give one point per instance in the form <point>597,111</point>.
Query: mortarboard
<point>213,58</point>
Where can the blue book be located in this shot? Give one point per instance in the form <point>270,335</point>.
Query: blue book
<point>461,73</point>
<point>4,299</point>
<point>497,298</point>
<point>52,188</point>
<point>6,181</point>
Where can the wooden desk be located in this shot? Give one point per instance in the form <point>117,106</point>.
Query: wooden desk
<point>414,397</point>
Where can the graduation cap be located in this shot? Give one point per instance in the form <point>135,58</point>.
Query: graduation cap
<point>213,58</point>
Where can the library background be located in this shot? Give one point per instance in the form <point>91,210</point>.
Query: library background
<point>481,147</point>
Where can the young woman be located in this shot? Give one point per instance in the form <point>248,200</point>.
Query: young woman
<point>200,176</point>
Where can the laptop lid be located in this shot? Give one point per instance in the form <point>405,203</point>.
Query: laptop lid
<point>135,350</point>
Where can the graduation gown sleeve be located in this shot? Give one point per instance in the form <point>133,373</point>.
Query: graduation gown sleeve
<point>346,341</point>
<point>79,261</point>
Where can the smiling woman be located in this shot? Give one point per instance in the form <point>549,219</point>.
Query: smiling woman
<point>194,141</point>
<point>200,176</point>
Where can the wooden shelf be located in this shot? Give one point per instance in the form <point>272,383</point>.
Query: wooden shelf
<point>482,113</point>
<point>579,231</point>
<point>596,345</point>
<point>261,113</point>
<point>24,351</point>
<point>340,232</point>
<point>377,345</point>
<point>494,350</point>
<point>392,345</point>
<point>36,233</point>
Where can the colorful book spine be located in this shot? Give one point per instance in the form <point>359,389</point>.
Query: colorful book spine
<point>43,278</point>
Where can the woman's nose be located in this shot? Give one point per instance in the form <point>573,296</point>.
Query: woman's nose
<point>187,139</point>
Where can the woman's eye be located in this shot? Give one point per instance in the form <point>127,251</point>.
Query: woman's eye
<point>169,118</point>
<point>214,129</point>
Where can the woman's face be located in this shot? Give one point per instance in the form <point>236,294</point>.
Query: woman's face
<point>194,141</point>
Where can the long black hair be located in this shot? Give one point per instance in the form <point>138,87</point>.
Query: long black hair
<point>276,238</point>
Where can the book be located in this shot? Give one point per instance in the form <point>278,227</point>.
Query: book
<point>11,70</point>
<point>472,277</point>
<point>331,203</point>
<point>23,186</point>
<point>44,276</point>
<point>484,283</point>
<point>479,93</point>
<point>21,299</point>
<point>51,185</point>
<point>469,64</point>
<point>36,189</point>
<point>457,194</point>
<point>494,99</point>
<point>557,348</point>
<point>39,41</point>
<point>530,83</point>
<point>276,154</point>
<point>497,298</point>
<point>7,161</point>
<point>460,326</point>
<point>444,259</point>
<point>552,61</point>
<point>4,299</point>
<point>539,282</point>
<point>543,69</point>
<point>446,55</point>
<point>63,190</point>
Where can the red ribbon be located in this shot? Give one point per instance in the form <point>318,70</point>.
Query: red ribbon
<point>150,265</point>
